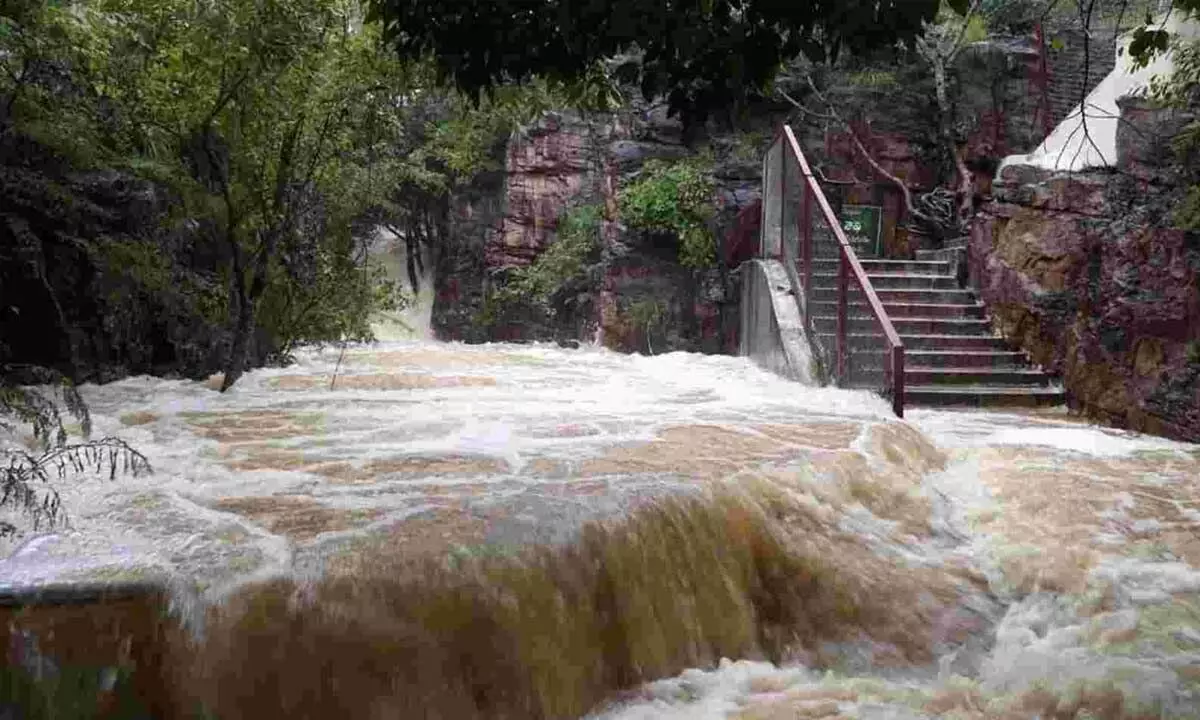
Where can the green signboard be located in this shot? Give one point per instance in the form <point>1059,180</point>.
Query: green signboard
<point>862,224</point>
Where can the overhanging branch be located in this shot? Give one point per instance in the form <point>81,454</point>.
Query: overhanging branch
<point>833,115</point>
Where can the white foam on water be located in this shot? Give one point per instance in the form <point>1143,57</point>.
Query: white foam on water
<point>546,402</point>
<point>702,694</point>
<point>992,429</point>
<point>538,389</point>
<point>1088,441</point>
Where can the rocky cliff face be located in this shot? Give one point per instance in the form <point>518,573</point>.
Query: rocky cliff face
<point>1086,273</point>
<point>996,104</point>
<point>505,220</point>
<point>96,280</point>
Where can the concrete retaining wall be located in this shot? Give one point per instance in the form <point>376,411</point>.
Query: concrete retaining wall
<point>772,331</point>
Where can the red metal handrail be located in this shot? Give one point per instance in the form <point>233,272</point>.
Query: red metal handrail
<point>848,267</point>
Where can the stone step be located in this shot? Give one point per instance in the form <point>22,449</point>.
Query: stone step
<point>825,324</point>
<point>943,254</point>
<point>894,310</point>
<point>892,281</point>
<point>828,256</point>
<point>874,265</point>
<point>945,343</point>
<point>983,396</point>
<point>873,359</point>
<point>956,376</point>
<point>898,296</point>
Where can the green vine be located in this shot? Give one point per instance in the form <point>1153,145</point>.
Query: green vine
<point>1180,90</point>
<point>646,315</point>
<point>676,198</point>
<point>563,263</point>
<point>141,262</point>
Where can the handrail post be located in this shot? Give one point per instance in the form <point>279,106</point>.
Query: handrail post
<point>806,251</point>
<point>848,264</point>
<point>783,198</point>
<point>889,378</point>
<point>898,380</point>
<point>843,280</point>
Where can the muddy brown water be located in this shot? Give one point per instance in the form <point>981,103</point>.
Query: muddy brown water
<point>988,556</point>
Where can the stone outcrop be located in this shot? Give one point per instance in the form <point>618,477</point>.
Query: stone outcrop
<point>1085,272</point>
<point>460,261</point>
<point>505,220</point>
<point>96,279</point>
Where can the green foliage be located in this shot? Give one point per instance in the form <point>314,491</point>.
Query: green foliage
<point>1147,43</point>
<point>872,78</point>
<point>646,315</point>
<point>142,263</point>
<point>329,306</point>
<point>702,57</point>
<point>977,29</point>
<point>560,265</point>
<point>1177,89</point>
<point>1181,89</point>
<point>276,124</point>
<point>750,146</point>
<point>1151,39</point>
<point>675,198</point>
<point>1193,352</point>
<point>1187,215</point>
<point>25,475</point>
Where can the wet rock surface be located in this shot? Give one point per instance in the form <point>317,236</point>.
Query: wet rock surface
<point>1085,272</point>
<point>78,250</point>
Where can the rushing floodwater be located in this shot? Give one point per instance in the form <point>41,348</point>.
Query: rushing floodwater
<point>431,448</point>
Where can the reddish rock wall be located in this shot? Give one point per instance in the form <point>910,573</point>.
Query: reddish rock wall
<point>995,108</point>
<point>1085,273</point>
<point>555,162</point>
<point>506,221</point>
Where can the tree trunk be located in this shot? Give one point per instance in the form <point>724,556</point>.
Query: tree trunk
<point>247,310</point>
<point>966,181</point>
<point>243,328</point>
<point>412,244</point>
<point>241,314</point>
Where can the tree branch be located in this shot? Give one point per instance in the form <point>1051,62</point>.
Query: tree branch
<point>862,150</point>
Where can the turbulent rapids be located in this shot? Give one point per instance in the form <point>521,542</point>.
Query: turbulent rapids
<point>804,552</point>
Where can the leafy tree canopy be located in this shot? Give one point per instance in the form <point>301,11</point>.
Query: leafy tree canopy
<point>701,54</point>
<point>282,124</point>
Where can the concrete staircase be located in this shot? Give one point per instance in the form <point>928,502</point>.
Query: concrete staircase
<point>952,355</point>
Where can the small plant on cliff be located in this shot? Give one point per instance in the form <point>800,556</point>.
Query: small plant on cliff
<point>677,198</point>
<point>749,147</point>
<point>562,264</point>
<point>646,315</point>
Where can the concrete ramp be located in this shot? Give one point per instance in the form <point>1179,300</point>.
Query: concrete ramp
<point>772,330</point>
